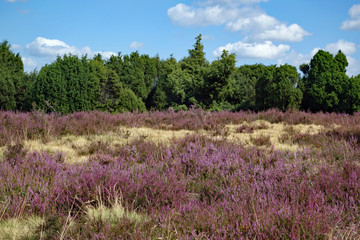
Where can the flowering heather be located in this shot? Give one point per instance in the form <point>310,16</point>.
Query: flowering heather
<point>195,187</point>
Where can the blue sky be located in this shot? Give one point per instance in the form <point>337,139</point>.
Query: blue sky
<point>258,31</point>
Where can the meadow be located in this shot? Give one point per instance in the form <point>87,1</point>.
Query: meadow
<point>180,175</point>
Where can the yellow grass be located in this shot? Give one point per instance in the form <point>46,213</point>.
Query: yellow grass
<point>274,130</point>
<point>113,214</point>
<point>76,148</point>
<point>19,228</point>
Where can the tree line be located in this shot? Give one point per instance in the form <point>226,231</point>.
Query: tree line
<point>137,82</point>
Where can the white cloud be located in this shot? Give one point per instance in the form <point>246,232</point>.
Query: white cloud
<point>354,22</point>
<point>347,48</point>
<point>253,20</point>
<point>15,47</point>
<point>250,19</point>
<point>53,47</point>
<point>296,59</point>
<point>281,32</point>
<point>29,63</point>
<point>354,67</point>
<point>136,45</point>
<point>266,50</point>
<point>185,15</point>
<point>232,3</point>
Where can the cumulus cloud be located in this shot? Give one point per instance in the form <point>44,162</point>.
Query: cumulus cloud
<point>281,32</point>
<point>185,15</point>
<point>296,59</point>
<point>266,50</point>
<point>53,47</point>
<point>354,66</point>
<point>347,48</point>
<point>29,63</point>
<point>136,45</point>
<point>354,22</point>
<point>15,47</point>
<point>232,2</point>
<point>247,18</point>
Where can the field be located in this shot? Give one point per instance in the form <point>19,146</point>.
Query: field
<point>180,175</point>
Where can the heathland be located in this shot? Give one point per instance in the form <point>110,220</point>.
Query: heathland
<point>179,175</point>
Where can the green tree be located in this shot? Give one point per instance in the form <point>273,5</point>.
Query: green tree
<point>195,65</point>
<point>264,87</point>
<point>50,90</point>
<point>30,79</point>
<point>217,78</point>
<point>7,91</point>
<point>68,85</point>
<point>351,100</point>
<point>137,72</point>
<point>286,94</point>
<point>326,84</point>
<point>159,95</point>
<point>12,78</point>
<point>278,88</point>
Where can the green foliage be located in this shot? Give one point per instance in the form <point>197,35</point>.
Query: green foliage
<point>195,64</point>
<point>242,82</point>
<point>128,101</point>
<point>126,83</point>
<point>137,72</point>
<point>217,78</point>
<point>277,88</point>
<point>49,92</point>
<point>351,102</point>
<point>326,86</point>
<point>7,91</point>
<point>11,78</point>
<point>286,94</point>
<point>26,93</point>
<point>264,86</point>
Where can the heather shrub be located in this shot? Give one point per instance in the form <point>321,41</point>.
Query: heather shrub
<point>195,187</point>
<point>14,154</point>
<point>261,140</point>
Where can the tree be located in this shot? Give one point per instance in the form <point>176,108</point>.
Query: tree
<point>286,94</point>
<point>326,83</point>
<point>217,78</point>
<point>116,96</point>
<point>159,95</point>
<point>137,72</point>
<point>264,87</point>
<point>68,85</point>
<point>7,91</point>
<point>278,88</point>
<point>195,64</point>
<point>11,78</point>
<point>50,90</point>
<point>351,101</point>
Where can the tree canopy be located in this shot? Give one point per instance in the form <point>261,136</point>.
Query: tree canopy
<point>138,82</point>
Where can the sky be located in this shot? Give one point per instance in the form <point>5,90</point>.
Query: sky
<point>257,31</point>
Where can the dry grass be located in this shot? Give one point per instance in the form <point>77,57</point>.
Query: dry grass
<point>113,214</point>
<point>76,149</point>
<point>261,133</point>
<point>274,131</point>
<point>19,228</point>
